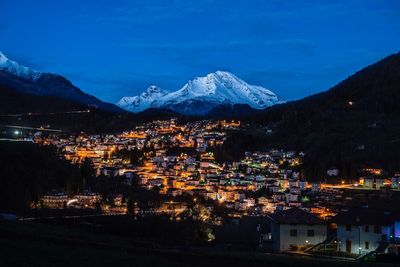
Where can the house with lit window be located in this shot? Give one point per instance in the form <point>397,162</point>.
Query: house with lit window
<point>54,200</point>
<point>362,231</point>
<point>296,229</point>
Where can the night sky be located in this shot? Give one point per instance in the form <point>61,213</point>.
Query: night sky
<point>115,48</point>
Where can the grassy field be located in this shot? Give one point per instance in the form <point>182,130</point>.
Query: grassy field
<point>38,244</point>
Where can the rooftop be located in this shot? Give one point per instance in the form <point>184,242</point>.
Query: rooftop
<point>363,216</point>
<point>295,216</point>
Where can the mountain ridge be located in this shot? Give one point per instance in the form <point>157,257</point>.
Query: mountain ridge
<point>144,100</point>
<point>202,94</point>
<point>27,80</point>
<point>13,67</point>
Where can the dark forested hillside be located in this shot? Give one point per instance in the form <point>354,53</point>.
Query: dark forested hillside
<point>14,102</point>
<point>29,110</point>
<point>229,111</point>
<point>53,85</point>
<point>373,90</point>
<point>27,171</point>
<point>17,108</point>
<point>356,123</point>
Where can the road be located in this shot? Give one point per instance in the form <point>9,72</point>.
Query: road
<point>41,114</point>
<point>68,217</point>
<point>31,128</point>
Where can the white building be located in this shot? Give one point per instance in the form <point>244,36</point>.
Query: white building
<point>360,231</point>
<point>296,229</point>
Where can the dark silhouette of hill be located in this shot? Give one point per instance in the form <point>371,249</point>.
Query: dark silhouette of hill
<point>53,85</point>
<point>355,123</point>
<point>236,111</point>
<point>41,110</point>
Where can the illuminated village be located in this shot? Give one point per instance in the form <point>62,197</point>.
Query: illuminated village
<point>263,188</point>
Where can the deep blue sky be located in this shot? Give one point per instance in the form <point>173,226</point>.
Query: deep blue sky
<point>116,48</point>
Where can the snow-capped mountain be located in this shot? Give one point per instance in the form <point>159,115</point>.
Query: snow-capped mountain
<point>26,80</point>
<point>142,101</point>
<point>13,67</point>
<point>201,94</point>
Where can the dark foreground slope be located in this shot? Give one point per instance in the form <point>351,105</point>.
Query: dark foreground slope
<point>356,123</point>
<point>39,244</point>
<point>28,171</point>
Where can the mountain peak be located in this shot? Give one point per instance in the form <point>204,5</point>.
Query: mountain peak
<point>222,73</point>
<point>201,94</point>
<point>153,89</point>
<point>3,58</point>
<point>14,68</point>
<point>144,100</point>
<point>29,81</point>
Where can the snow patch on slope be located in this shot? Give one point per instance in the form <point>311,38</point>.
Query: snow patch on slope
<point>13,67</point>
<point>143,101</point>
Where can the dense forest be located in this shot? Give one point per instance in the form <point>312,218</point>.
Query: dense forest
<point>55,112</point>
<point>27,171</point>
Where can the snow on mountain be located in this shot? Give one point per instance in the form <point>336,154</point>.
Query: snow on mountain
<point>143,101</point>
<point>26,80</point>
<point>13,67</point>
<point>201,94</point>
<point>222,87</point>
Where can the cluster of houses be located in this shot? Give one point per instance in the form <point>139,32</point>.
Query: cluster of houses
<point>273,205</point>
<point>61,200</point>
<point>114,204</point>
<point>156,135</point>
